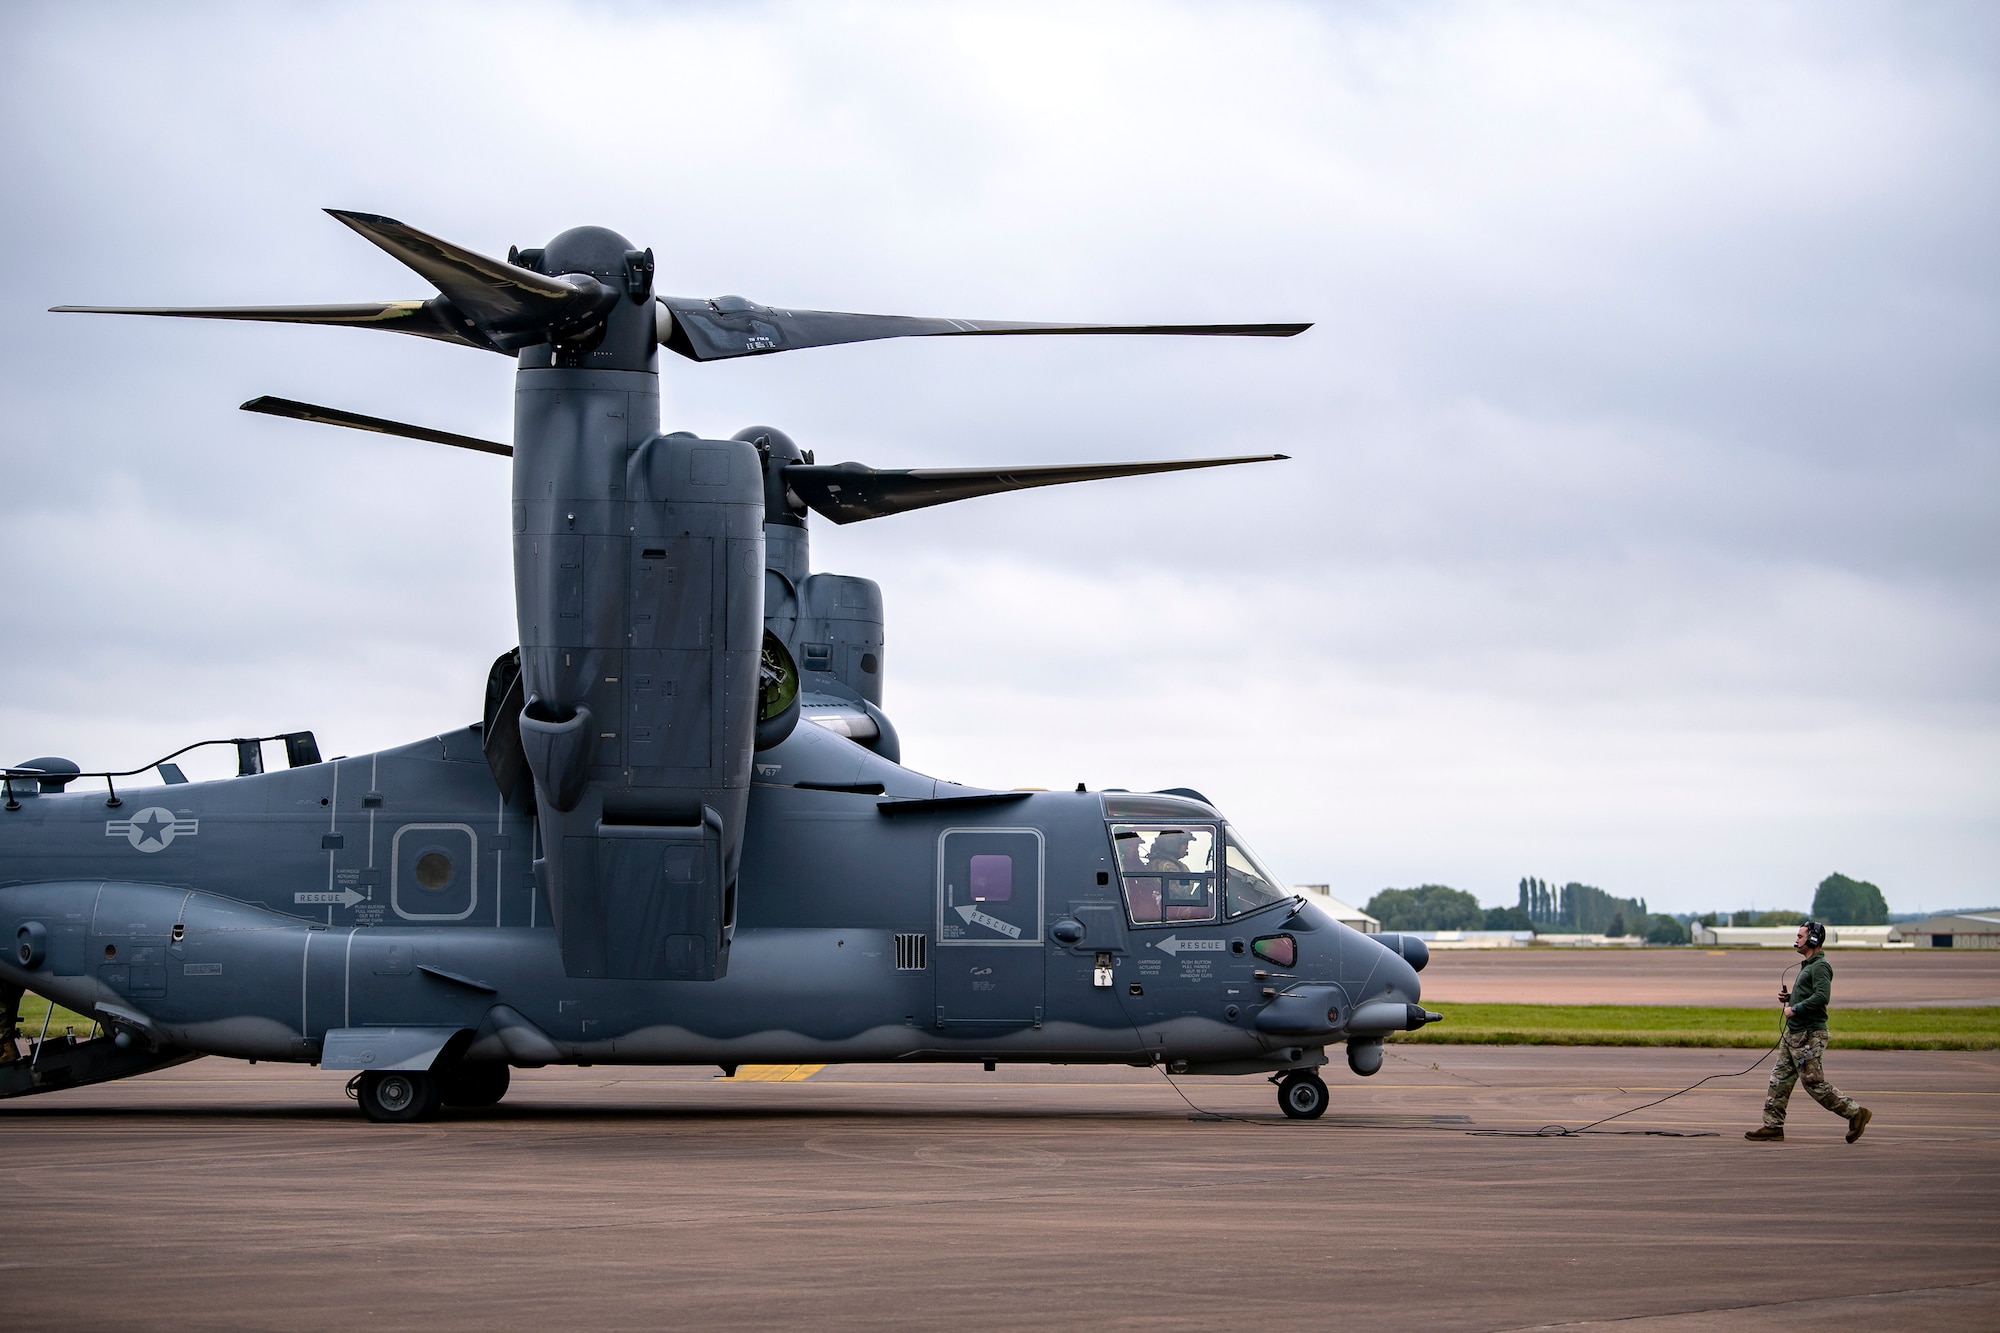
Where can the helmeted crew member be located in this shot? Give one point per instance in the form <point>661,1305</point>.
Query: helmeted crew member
<point>1169,852</point>
<point>1804,1043</point>
<point>1189,894</point>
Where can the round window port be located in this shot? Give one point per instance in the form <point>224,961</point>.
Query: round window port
<point>433,870</point>
<point>110,952</point>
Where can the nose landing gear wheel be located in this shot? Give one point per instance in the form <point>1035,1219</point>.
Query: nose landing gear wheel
<point>1302,1096</point>
<point>397,1096</point>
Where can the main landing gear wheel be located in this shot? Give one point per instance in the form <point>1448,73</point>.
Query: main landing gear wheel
<point>1302,1096</point>
<point>397,1096</point>
<point>482,1083</point>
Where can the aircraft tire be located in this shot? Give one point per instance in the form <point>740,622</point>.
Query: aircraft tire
<point>481,1083</point>
<point>1302,1096</point>
<point>397,1096</point>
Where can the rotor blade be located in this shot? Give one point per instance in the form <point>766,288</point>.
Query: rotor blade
<point>426,319</point>
<point>495,293</point>
<point>333,416</point>
<point>486,303</point>
<point>849,492</point>
<point>730,326</point>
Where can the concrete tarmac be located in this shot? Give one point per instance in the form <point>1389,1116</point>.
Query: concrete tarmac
<point>220,1194</point>
<point>1862,978</point>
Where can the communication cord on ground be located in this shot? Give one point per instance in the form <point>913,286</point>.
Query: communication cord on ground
<point>1551,1131</point>
<point>1564,1132</point>
<point>1199,1113</point>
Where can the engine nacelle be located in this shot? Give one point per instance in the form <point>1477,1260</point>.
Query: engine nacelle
<point>832,625</point>
<point>639,578</point>
<point>840,634</point>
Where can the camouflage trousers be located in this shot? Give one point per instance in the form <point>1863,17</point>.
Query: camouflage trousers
<point>1798,1058</point>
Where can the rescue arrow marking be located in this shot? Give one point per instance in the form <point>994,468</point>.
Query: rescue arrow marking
<point>1177,947</point>
<point>345,897</point>
<point>974,917</point>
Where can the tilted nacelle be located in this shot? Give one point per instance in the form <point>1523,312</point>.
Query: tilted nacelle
<point>641,613</point>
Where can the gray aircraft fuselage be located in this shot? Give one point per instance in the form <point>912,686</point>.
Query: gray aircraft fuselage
<point>250,916</point>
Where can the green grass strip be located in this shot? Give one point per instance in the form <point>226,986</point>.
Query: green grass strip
<point>1937,1029</point>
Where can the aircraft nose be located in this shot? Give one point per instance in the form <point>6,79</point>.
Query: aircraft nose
<point>1392,979</point>
<point>1379,971</point>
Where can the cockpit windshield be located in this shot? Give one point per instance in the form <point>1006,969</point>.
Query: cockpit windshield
<point>1169,871</point>
<point>1248,885</point>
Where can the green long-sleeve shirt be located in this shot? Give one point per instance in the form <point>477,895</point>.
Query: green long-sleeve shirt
<point>1811,993</point>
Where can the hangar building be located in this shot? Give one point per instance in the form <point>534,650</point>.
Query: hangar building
<point>1955,930</point>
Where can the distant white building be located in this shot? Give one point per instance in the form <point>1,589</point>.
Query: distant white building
<point>1346,914</point>
<point>1476,939</point>
<point>1592,941</point>
<point>1783,937</point>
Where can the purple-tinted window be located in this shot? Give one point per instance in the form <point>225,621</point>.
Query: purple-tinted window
<point>992,879</point>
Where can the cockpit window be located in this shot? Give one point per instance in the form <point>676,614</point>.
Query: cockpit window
<point>1249,885</point>
<point>1168,871</point>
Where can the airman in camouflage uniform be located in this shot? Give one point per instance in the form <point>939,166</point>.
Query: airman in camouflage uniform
<point>1804,1043</point>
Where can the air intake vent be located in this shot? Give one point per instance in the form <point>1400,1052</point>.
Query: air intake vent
<point>910,952</point>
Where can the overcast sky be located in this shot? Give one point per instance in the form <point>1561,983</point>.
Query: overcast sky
<point>1641,522</point>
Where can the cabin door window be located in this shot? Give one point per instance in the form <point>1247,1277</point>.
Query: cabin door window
<point>989,963</point>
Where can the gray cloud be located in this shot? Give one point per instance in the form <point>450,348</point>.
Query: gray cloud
<point>1641,524</point>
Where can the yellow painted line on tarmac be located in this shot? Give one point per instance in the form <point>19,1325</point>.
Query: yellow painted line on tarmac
<point>776,1073</point>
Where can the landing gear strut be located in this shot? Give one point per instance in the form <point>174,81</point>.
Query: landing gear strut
<point>397,1096</point>
<point>1302,1095</point>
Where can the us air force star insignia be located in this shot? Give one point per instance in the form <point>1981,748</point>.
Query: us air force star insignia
<point>152,829</point>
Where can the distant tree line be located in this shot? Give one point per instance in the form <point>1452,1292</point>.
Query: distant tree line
<point>1441,907</point>
<point>1777,918</point>
<point>1584,909</point>
<point>1427,907</point>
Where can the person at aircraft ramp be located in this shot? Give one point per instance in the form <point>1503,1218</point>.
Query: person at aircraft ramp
<point>1803,1044</point>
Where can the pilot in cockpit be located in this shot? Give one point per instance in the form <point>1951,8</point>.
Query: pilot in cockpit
<point>1168,854</point>
<point>1187,892</point>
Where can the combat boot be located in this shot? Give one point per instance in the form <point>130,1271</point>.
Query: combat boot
<point>1767,1134</point>
<point>1859,1123</point>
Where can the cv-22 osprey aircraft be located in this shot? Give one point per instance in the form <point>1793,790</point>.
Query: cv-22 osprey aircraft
<point>679,833</point>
